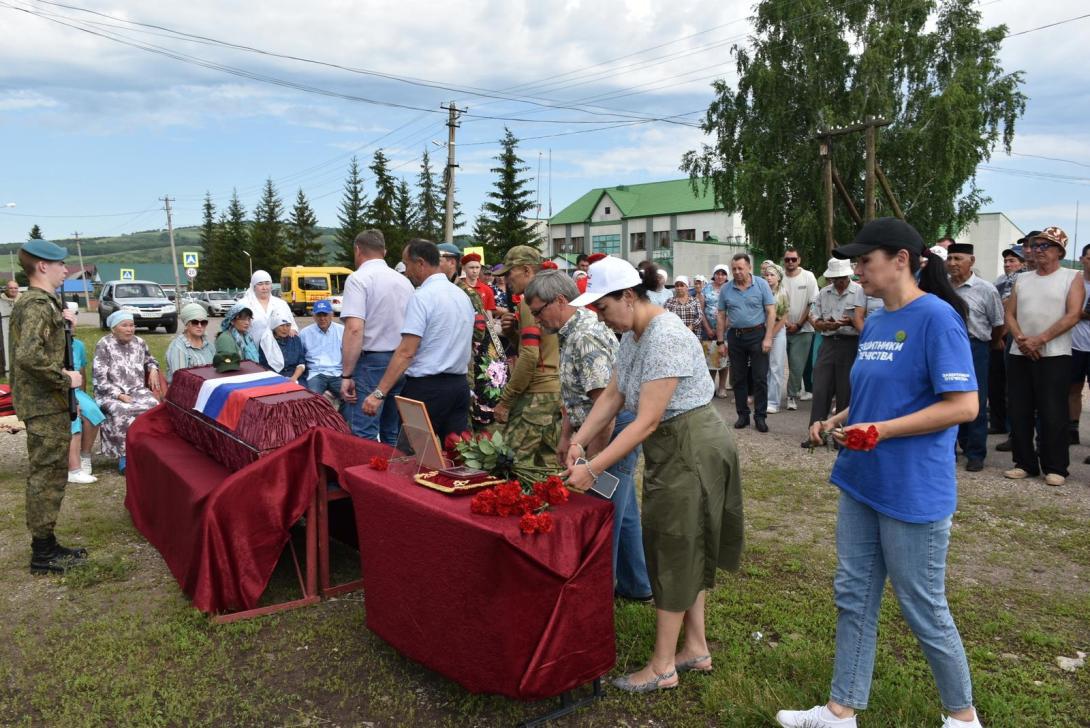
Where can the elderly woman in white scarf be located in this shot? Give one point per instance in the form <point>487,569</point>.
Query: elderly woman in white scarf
<point>265,306</point>
<point>127,382</point>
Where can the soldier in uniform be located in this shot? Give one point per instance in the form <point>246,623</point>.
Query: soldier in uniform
<point>40,387</point>
<point>530,403</point>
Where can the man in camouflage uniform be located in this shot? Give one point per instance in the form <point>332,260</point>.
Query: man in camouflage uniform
<point>530,403</point>
<point>587,352</point>
<point>40,387</point>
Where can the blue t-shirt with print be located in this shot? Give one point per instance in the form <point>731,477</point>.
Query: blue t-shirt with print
<point>907,360</point>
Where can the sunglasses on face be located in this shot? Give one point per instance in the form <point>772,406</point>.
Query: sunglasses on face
<point>537,313</point>
<point>790,260</point>
<point>199,323</point>
<point>1041,246</point>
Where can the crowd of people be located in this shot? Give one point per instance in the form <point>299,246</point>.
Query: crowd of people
<point>582,372</point>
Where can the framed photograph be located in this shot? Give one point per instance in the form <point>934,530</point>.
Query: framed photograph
<point>418,434</point>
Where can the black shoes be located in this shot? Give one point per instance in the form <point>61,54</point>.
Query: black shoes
<point>759,423</point>
<point>1004,446</point>
<point>49,557</point>
<point>974,466</point>
<point>742,423</point>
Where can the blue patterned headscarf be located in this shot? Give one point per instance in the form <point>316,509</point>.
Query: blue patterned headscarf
<point>247,349</point>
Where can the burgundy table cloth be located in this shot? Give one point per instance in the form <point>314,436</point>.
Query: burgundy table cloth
<point>475,599</point>
<point>221,531</point>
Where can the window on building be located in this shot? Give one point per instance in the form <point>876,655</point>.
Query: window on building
<point>576,245</point>
<point>662,238</point>
<point>637,241</point>
<point>689,234</point>
<point>608,209</point>
<point>558,246</point>
<point>608,244</point>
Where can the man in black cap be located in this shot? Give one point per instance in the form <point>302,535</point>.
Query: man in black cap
<point>40,385</point>
<point>985,322</point>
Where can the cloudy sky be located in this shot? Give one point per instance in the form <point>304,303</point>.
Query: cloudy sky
<point>93,131</point>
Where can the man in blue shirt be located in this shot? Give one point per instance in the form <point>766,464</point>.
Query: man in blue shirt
<point>322,343</point>
<point>747,312</point>
<point>435,344</point>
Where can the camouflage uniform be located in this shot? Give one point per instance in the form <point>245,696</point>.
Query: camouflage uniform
<point>533,395</point>
<point>40,392</point>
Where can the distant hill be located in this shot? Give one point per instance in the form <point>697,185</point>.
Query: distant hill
<point>148,246</point>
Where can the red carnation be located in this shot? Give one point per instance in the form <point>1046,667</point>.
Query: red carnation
<point>528,524</point>
<point>544,523</point>
<point>508,493</point>
<point>379,463</point>
<point>451,441</point>
<point>484,503</point>
<point>859,439</point>
<point>531,503</point>
<point>556,495</point>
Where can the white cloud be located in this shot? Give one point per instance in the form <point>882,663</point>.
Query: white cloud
<point>655,152</point>
<point>23,100</point>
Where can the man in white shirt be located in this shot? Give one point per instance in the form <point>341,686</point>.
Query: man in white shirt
<point>373,311</point>
<point>801,289</point>
<point>322,342</point>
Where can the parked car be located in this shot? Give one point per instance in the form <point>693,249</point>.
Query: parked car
<point>215,303</point>
<point>336,301</point>
<point>145,300</point>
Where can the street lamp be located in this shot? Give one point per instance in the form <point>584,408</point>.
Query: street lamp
<point>251,259</point>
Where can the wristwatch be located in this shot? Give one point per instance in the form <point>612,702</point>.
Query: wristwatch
<point>377,394</point>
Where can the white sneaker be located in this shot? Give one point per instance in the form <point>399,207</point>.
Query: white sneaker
<point>806,396</point>
<point>80,477</point>
<point>792,403</point>
<point>772,409</point>
<point>817,717</point>
<point>948,722</point>
<point>85,465</point>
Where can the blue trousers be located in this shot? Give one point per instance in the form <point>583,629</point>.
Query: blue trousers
<point>386,424</point>
<point>871,546</point>
<point>973,436</point>
<point>629,565</point>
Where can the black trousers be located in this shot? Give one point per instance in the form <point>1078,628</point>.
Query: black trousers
<point>997,390</point>
<point>832,375</point>
<point>446,397</point>
<point>748,371</point>
<point>1037,392</point>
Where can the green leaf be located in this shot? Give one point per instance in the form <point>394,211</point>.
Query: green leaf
<point>487,447</point>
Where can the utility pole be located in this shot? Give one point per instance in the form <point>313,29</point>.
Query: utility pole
<point>82,271</point>
<point>173,254</point>
<point>452,124</point>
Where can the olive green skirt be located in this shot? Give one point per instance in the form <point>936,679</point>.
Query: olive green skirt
<point>692,506</point>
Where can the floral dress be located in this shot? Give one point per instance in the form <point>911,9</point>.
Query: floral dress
<point>121,369</point>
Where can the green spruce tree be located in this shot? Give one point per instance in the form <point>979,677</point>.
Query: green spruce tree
<point>209,273</point>
<point>235,238</point>
<point>482,230</point>
<point>36,233</point>
<point>304,247</point>
<point>405,222</point>
<point>380,213</point>
<point>351,216</point>
<point>267,232</point>
<point>509,202</point>
<point>428,204</point>
<point>930,68</point>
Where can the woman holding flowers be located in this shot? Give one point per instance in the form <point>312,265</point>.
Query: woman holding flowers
<point>692,495</point>
<point>912,385</point>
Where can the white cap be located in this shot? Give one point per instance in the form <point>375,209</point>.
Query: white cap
<point>280,319</point>
<point>700,278</point>
<point>939,251</point>
<point>838,268</point>
<point>400,267</point>
<point>681,279</point>
<point>608,275</point>
<point>721,267</point>
<point>579,274</point>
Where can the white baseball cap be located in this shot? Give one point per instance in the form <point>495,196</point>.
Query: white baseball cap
<point>700,278</point>
<point>939,251</point>
<point>838,268</point>
<point>608,275</point>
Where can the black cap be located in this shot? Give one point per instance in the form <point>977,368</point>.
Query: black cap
<point>962,248</point>
<point>1023,241</point>
<point>884,232</point>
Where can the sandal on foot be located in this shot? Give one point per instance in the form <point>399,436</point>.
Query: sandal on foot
<point>623,683</point>
<point>691,665</point>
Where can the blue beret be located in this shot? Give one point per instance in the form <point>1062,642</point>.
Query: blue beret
<point>449,249</point>
<point>45,250</point>
<point>323,306</point>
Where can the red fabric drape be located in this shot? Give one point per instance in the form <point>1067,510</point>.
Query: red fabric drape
<point>221,531</point>
<point>474,599</point>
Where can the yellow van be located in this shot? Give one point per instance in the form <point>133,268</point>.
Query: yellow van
<point>301,286</point>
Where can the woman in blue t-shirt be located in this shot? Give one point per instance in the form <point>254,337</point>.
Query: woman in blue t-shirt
<point>913,381</point>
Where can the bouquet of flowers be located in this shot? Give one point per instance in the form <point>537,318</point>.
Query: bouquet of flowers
<point>492,373</point>
<point>531,504</point>
<point>488,451</point>
<point>855,438</point>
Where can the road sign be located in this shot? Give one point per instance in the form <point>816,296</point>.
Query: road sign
<point>128,274</point>
<point>190,273</point>
<point>191,260</point>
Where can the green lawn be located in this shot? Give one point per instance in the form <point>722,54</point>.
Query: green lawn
<point>117,644</point>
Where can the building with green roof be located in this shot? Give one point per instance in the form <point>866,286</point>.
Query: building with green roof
<point>669,222</point>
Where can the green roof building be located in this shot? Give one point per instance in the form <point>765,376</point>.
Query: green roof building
<point>682,229</point>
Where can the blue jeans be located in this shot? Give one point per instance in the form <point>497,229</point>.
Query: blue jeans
<point>321,383</point>
<point>973,436</point>
<point>629,565</point>
<point>869,547</point>
<point>386,424</point>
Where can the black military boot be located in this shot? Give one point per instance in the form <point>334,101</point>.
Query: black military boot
<point>49,557</point>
